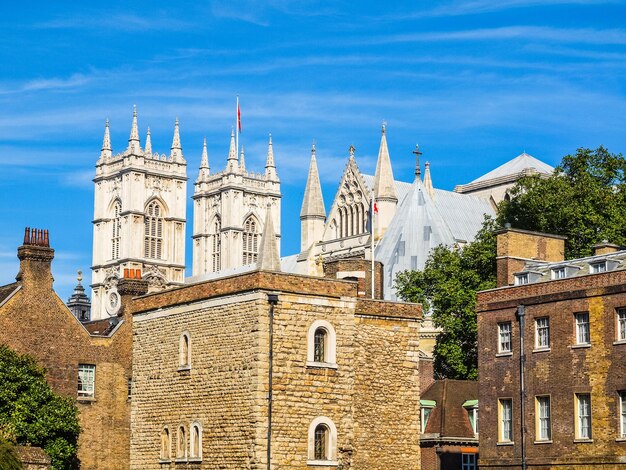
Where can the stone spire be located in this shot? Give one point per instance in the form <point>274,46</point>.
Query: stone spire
<point>204,163</point>
<point>176,152</point>
<point>242,161</point>
<point>106,151</point>
<point>270,169</point>
<point>268,258</point>
<point>418,171</point>
<point>134,146</point>
<point>384,184</point>
<point>428,183</point>
<point>313,212</point>
<point>148,148</point>
<point>232,164</point>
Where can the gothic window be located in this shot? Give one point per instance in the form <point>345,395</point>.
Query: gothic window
<point>117,228</point>
<point>216,245</point>
<point>166,444</point>
<point>181,443</point>
<point>250,241</point>
<point>196,441</point>
<point>184,351</point>
<point>352,214</point>
<point>153,233</point>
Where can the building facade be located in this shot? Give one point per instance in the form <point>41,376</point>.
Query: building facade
<point>551,349</point>
<point>139,217</point>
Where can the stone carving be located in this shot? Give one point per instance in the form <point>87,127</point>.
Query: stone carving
<point>155,277</point>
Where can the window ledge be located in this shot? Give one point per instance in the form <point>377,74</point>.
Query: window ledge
<point>504,354</point>
<point>322,463</point>
<point>536,350</point>
<point>181,460</point>
<point>186,368</point>
<point>621,439</point>
<point>543,442</point>
<point>195,459</point>
<point>582,441</point>
<point>581,346</point>
<point>162,461</point>
<point>321,365</point>
<point>619,341</point>
<point>86,399</point>
<point>505,443</point>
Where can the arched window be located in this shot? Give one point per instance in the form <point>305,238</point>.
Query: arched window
<point>153,221</point>
<point>166,444</point>
<point>181,443</point>
<point>117,229</point>
<point>250,241</point>
<point>322,442</point>
<point>184,352</point>
<point>216,245</point>
<point>196,441</point>
<point>321,350</point>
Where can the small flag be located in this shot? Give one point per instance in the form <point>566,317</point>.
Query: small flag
<point>238,116</point>
<point>375,208</point>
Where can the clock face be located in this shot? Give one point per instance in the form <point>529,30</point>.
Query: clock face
<point>113,302</point>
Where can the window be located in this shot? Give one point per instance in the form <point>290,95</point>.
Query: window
<point>322,340</point>
<point>583,416</point>
<point>505,420</point>
<point>216,245</point>
<point>250,241</point>
<point>181,443</point>
<point>504,333</point>
<point>196,441</point>
<point>86,380</point>
<point>322,442</point>
<point>166,444</point>
<point>595,268</point>
<point>426,409</point>
<point>542,333</point>
<point>558,273</point>
<point>621,324</point>
<point>521,279</point>
<point>472,413</point>
<point>468,461</point>
<point>582,328</point>
<point>184,352</point>
<point>542,414</point>
<point>622,410</point>
<point>153,231</point>
<point>117,229</point>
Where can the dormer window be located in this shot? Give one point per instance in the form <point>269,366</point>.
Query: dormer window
<point>558,273</point>
<point>595,268</point>
<point>521,279</point>
<point>472,413</point>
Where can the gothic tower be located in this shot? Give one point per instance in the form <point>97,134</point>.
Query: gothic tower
<point>384,188</point>
<point>139,218</point>
<point>230,211</point>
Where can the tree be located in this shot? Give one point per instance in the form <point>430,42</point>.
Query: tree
<point>8,457</point>
<point>584,200</point>
<point>447,287</point>
<point>32,414</point>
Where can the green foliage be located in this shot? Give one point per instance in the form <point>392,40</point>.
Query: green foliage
<point>585,200</point>
<point>8,458</point>
<point>447,287</point>
<point>30,412</point>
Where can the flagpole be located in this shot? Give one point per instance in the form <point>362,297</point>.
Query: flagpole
<point>237,126</point>
<point>373,215</point>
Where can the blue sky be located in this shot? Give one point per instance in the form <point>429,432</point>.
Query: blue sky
<point>475,83</point>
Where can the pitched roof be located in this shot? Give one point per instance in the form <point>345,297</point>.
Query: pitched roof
<point>448,418</point>
<point>7,291</point>
<point>519,164</point>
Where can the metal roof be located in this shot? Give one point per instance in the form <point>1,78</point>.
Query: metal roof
<point>517,165</point>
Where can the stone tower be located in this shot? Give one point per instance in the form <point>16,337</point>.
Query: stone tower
<point>79,304</point>
<point>139,217</point>
<point>230,211</point>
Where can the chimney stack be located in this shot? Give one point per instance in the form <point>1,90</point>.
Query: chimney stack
<point>35,257</point>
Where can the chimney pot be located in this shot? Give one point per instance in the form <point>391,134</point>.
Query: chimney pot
<point>26,235</point>
<point>126,275</point>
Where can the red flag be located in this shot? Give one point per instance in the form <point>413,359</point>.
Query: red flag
<point>238,116</point>
<point>375,209</point>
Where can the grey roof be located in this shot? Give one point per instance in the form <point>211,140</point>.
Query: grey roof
<point>288,263</point>
<point>517,165</point>
<point>313,202</point>
<point>268,258</point>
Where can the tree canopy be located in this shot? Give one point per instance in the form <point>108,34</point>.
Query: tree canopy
<point>32,414</point>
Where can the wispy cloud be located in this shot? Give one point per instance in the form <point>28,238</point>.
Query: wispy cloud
<point>46,84</point>
<point>259,12</point>
<point>117,22</point>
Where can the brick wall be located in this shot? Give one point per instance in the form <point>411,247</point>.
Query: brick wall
<point>361,269</point>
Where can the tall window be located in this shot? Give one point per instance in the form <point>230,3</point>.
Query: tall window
<point>153,233</point>
<point>321,442</point>
<point>621,324</point>
<point>542,333</point>
<point>321,345</point>
<point>468,462</point>
<point>543,422</point>
<point>582,328</point>
<point>472,414</point>
<point>583,416</point>
<point>504,333</point>
<point>196,441</point>
<point>425,412</point>
<point>166,444</point>
<point>250,241</point>
<point>117,229</point>
<point>86,380</point>
<point>216,245</point>
<point>181,443</point>
<point>622,409</point>
<point>184,351</point>
<point>319,354</point>
<point>505,421</point>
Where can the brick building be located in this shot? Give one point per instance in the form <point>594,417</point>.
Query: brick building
<point>568,319</point>
<point>90,361</point>
<point>341,389</point>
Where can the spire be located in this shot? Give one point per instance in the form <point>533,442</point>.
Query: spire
<point>351,151</point>
<point>270,169</point>
<point>268,258</point>
<point>134,146</point>
<point>313,202</point>
<point>242,161</point>
<point>232,164</point>
<point>204,163</point>
<point>148,148</point>
<point>417,153</point>
<point>106,151</point>
<point>428,184</point>
<point>176,152</point>
<point>384,184</point>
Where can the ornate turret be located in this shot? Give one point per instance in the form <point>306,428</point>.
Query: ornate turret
<point>384,187</point>
<point>79,304</point>
<point>176,152</point>
<point>269,258</point>
<point>106,151</point>
<point>148,148</point>
<point>204,172</point>
<point>313,213</point>
<point>242,161</point>
<point>270,169</point>
<point>134,146</point>
<point>232,164</point>
<point>428,183</point>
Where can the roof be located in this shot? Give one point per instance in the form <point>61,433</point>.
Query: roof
<point>449,418</point>
<point>100,327</point>
<point>287,265</point>
<point>519,164</point>
<point>7,291</point>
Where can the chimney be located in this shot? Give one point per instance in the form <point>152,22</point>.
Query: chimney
<point>515,247</point>
<point>35,257</point>
<point>605,248</point>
